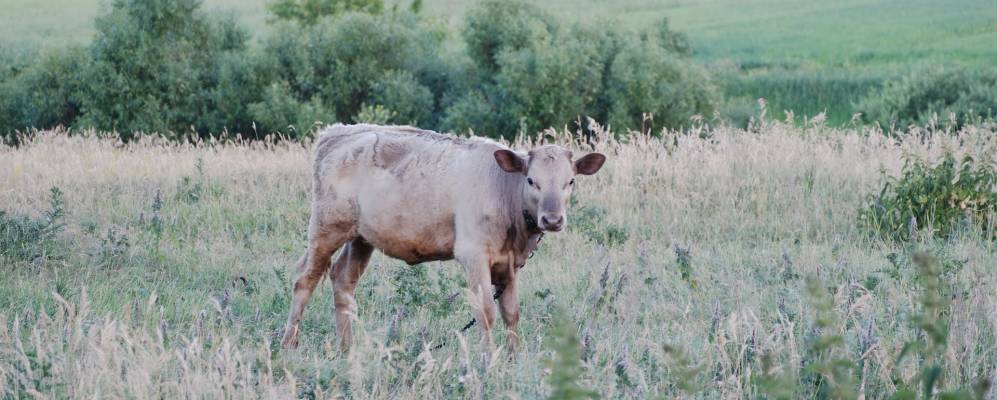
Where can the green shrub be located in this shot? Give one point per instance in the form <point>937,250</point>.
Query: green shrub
<point>942,197</point>
<point>928,348</point>
<point>242,82</point>
<point>496,26</point>
<point>355,59</point>
<point>280,111</point>
<point>934,93</point>
<point>400,92</point>
<point>43,94</point>
<point>529,73</point>
<point>152,67</point>
<point>310,11</point>
<point>645,78</point>
<point>376,114</point>
<point>565,363</point>
<point>24,238</point>
<point>829,372</point>
<point>675,42</point>
<point>551,82</point>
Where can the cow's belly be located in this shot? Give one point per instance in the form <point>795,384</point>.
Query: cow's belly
<point>408,239</point>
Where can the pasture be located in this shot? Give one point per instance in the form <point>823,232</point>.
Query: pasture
<point>163,270</point>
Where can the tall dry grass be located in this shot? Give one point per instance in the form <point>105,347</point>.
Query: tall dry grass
<point>683,269</point>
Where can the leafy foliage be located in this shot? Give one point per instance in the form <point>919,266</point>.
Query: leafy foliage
<point>929,346</point>
<point>829,372</point>
<point>166,67</point>
<point>565,364</point>
<point>24,238</point>
<point>339,65</point>
<point>942,197</point>
<point>310,11</point>
<point>152,67</point>
<point>647,80</point>
<point>46,93</point>
<point>935,93</point>
<point>530,73</point>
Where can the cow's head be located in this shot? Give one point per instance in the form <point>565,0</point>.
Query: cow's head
<point>549,175</point>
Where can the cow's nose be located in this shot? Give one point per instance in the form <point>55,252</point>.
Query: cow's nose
<point>552,222</point>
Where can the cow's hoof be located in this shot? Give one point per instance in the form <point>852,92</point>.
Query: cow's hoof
<point>290,340</point>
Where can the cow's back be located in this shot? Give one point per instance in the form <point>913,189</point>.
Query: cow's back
<point>403,186</point>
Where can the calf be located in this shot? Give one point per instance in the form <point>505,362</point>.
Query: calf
<point>420,196</point>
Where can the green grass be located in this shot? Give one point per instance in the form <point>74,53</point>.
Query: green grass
<point>840,33</point>
<point>684,271</point>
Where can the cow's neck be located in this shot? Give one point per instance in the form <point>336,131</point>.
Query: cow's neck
<point>525,233</point>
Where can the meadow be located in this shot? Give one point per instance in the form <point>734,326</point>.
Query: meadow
<point>162,270</point>
<point>805,56</point>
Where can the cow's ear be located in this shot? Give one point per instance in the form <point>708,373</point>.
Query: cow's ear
<point>589,164</point>
<point>509,161</point>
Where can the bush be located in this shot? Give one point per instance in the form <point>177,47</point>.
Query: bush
<point>645,78</point>
<point>355,59</point>
<point>551,82</point>
<point>970,95</point>
<point>280,111</point>
<point>153,65</point>
<point>565,361</point>
<point>27,239</point>
<point>496,26</point>
<point>164,66</point>
<point>409,101</point>
<point>310,11</point>
<point>43,94</point>
<point>529,73</point>
<point>241,82</point>
<point>940,197</point>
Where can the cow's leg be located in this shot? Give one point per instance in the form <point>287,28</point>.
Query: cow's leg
<point>509,306</point>
<point>479,279</point>
<point>346,272</point>
<point>311,268</point>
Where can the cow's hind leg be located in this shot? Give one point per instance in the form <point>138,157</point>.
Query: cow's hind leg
<point>346,272</point>
<point>311,269</point>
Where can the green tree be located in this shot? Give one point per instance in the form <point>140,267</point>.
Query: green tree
<point>152,67</point>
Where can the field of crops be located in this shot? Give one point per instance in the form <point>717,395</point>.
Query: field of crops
<point>715,264</point>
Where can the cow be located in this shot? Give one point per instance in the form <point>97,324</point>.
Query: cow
<point>421,196</point>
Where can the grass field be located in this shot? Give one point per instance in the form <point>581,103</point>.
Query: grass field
<point>683,268</point>
<point>840,33</point>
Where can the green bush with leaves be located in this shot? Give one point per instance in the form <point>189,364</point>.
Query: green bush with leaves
<point>43,94</point>
<point>310,11</point>
<point>646,82</point>
<point>166,67</point>
<point>565,362</point>
<point>152,67</point>
<point>533,73</point>
<point>944,197</point>
<point>280,111</point>
<point>23,238</point>
<point>356,59</point>
<point>934,93</point>
<point>409,101</point>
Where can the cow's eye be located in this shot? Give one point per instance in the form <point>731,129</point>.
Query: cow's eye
<point>529,181</point>
<point>571,182</point>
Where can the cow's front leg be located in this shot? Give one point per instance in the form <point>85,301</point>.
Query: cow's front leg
<point>509,306</point>
<point>479,280</point>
